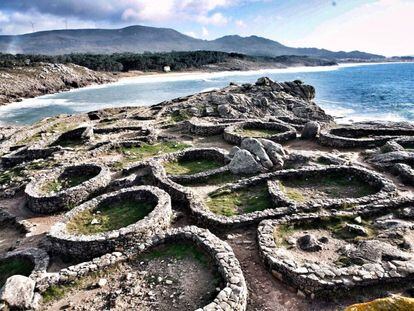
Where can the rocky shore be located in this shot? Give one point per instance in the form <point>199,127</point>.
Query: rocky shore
<point>44,78</point>
<point>249,197</point>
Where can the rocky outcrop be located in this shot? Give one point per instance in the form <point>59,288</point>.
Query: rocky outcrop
<point>264,98</point>
<point>44,78</point>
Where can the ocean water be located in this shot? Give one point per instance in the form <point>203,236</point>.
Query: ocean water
<point>349,92</point>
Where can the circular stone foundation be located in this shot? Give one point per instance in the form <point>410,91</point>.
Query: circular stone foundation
<point>194,164</point>
<point>87,231</point>
<point>63,189</point>
<point>277,132</point>
<point>325,256</point>
<point>30,262</point>
<point>232,296</point>
<point>361,137</point>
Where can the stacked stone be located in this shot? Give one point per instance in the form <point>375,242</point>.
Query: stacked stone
<point>25,154</point>
<point>47,203</point>
<point>232,136</point>
<point>232,297</point>
<point>367,136</point>
<point>325,279</point>
<point>214,154</point>
<point>88,246</point>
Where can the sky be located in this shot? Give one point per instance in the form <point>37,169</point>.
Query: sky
<point>377,26</point>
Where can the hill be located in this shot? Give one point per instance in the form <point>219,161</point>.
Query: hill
<point>139,39</point>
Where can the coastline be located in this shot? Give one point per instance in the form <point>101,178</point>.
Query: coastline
<point>14,113</point>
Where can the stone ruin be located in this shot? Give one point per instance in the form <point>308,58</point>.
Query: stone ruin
<point>247,158</point>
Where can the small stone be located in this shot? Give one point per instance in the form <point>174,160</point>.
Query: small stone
<point>358,219</point>
<point>95,221</point>
<point>168,282</point>
<point>102,283</point>
<point>308,243</point>
<point>356,229</point>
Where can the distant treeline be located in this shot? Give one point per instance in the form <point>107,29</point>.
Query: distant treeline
<point>146,61</point>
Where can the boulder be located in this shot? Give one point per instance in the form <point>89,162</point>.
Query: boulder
<point>393,224</point>
<point>389,303</point>
<point>391,146</point>
<point>356,229</point>
<point>264,81</point>
<point>308,243</point>
<point>18,292</point>
<point>311,130</point>
<point>256,148</point>
<point>244,162</point>
<point>270,146</point>
<point>233,151</point>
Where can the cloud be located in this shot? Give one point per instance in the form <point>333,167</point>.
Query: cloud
<point>204,32</point>
<point>241,24</point>
<point>381,27</point>
<point>217,19</point>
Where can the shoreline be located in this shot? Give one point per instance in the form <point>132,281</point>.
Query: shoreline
<point>159,77</point>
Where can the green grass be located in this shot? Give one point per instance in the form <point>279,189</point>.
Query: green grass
<point>63,183</point>
<point>145,151</point>
<point>333,187</point>
<point>11,267</point>
<point>218,179</point>
<point>178,251</point>
<point>110,217</point>
<point>178,116</point>
<point>257,132</point>
<point>7,176</point>
<point>182,167</point>
<point>335,225</point>
<point>242,201</point>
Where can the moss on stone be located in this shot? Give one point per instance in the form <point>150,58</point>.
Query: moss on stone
<point>393,303</point>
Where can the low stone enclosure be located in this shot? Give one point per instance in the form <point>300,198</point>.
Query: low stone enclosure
<point>271,203</point>
<point>78,235</point>
<point>209,126</point>
<point>136,133</point>
<point>62,189</point>
<point>194,164</point>
<point>361,136</point>
<point>30,262</point>
<point>326,255</point>
<point>25,154</point>
<point>277,132</point>
<point>232,297</point>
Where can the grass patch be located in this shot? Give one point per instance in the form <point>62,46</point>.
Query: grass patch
<point>242,201</point>
<point>182,167</point>
<point>178,116</point>
<point>10,267</point>
<point>332,187</point>
<point>257,132</point>
<point>8,176</point>
<point>145,151</point>
<point>178,251</point>
<point>62,183</point>
<point>218,179</point>
<point>110,217</point>
<point>334,225</point>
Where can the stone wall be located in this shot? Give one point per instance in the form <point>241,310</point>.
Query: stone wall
<point>47,203</point>
<point>232,297</point>
<point>87,246</point>
<point>287,132</point>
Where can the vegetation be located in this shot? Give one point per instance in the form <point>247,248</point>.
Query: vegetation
<point>178,251</point>
<point>150,61</point>
<point>257,132</point>
<point>133,154</point>
<point>334,187</point>
<point>182,167</point>
<point>110,216</point>
<point>66,182</point>
<point>217,179</point>
<point>245,200</point>
<point>334,225</point>
<point>7,176</point>
<point>11,267</point>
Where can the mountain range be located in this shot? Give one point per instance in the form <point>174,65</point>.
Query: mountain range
<point>139,39</point>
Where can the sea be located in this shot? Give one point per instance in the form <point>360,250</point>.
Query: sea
<point>349,92</point>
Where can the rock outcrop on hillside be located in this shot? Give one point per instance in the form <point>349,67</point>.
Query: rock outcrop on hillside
<point>45,78</point>
<point>263,99</point>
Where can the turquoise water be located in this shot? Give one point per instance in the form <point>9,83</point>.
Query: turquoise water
<point>354,93</point>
